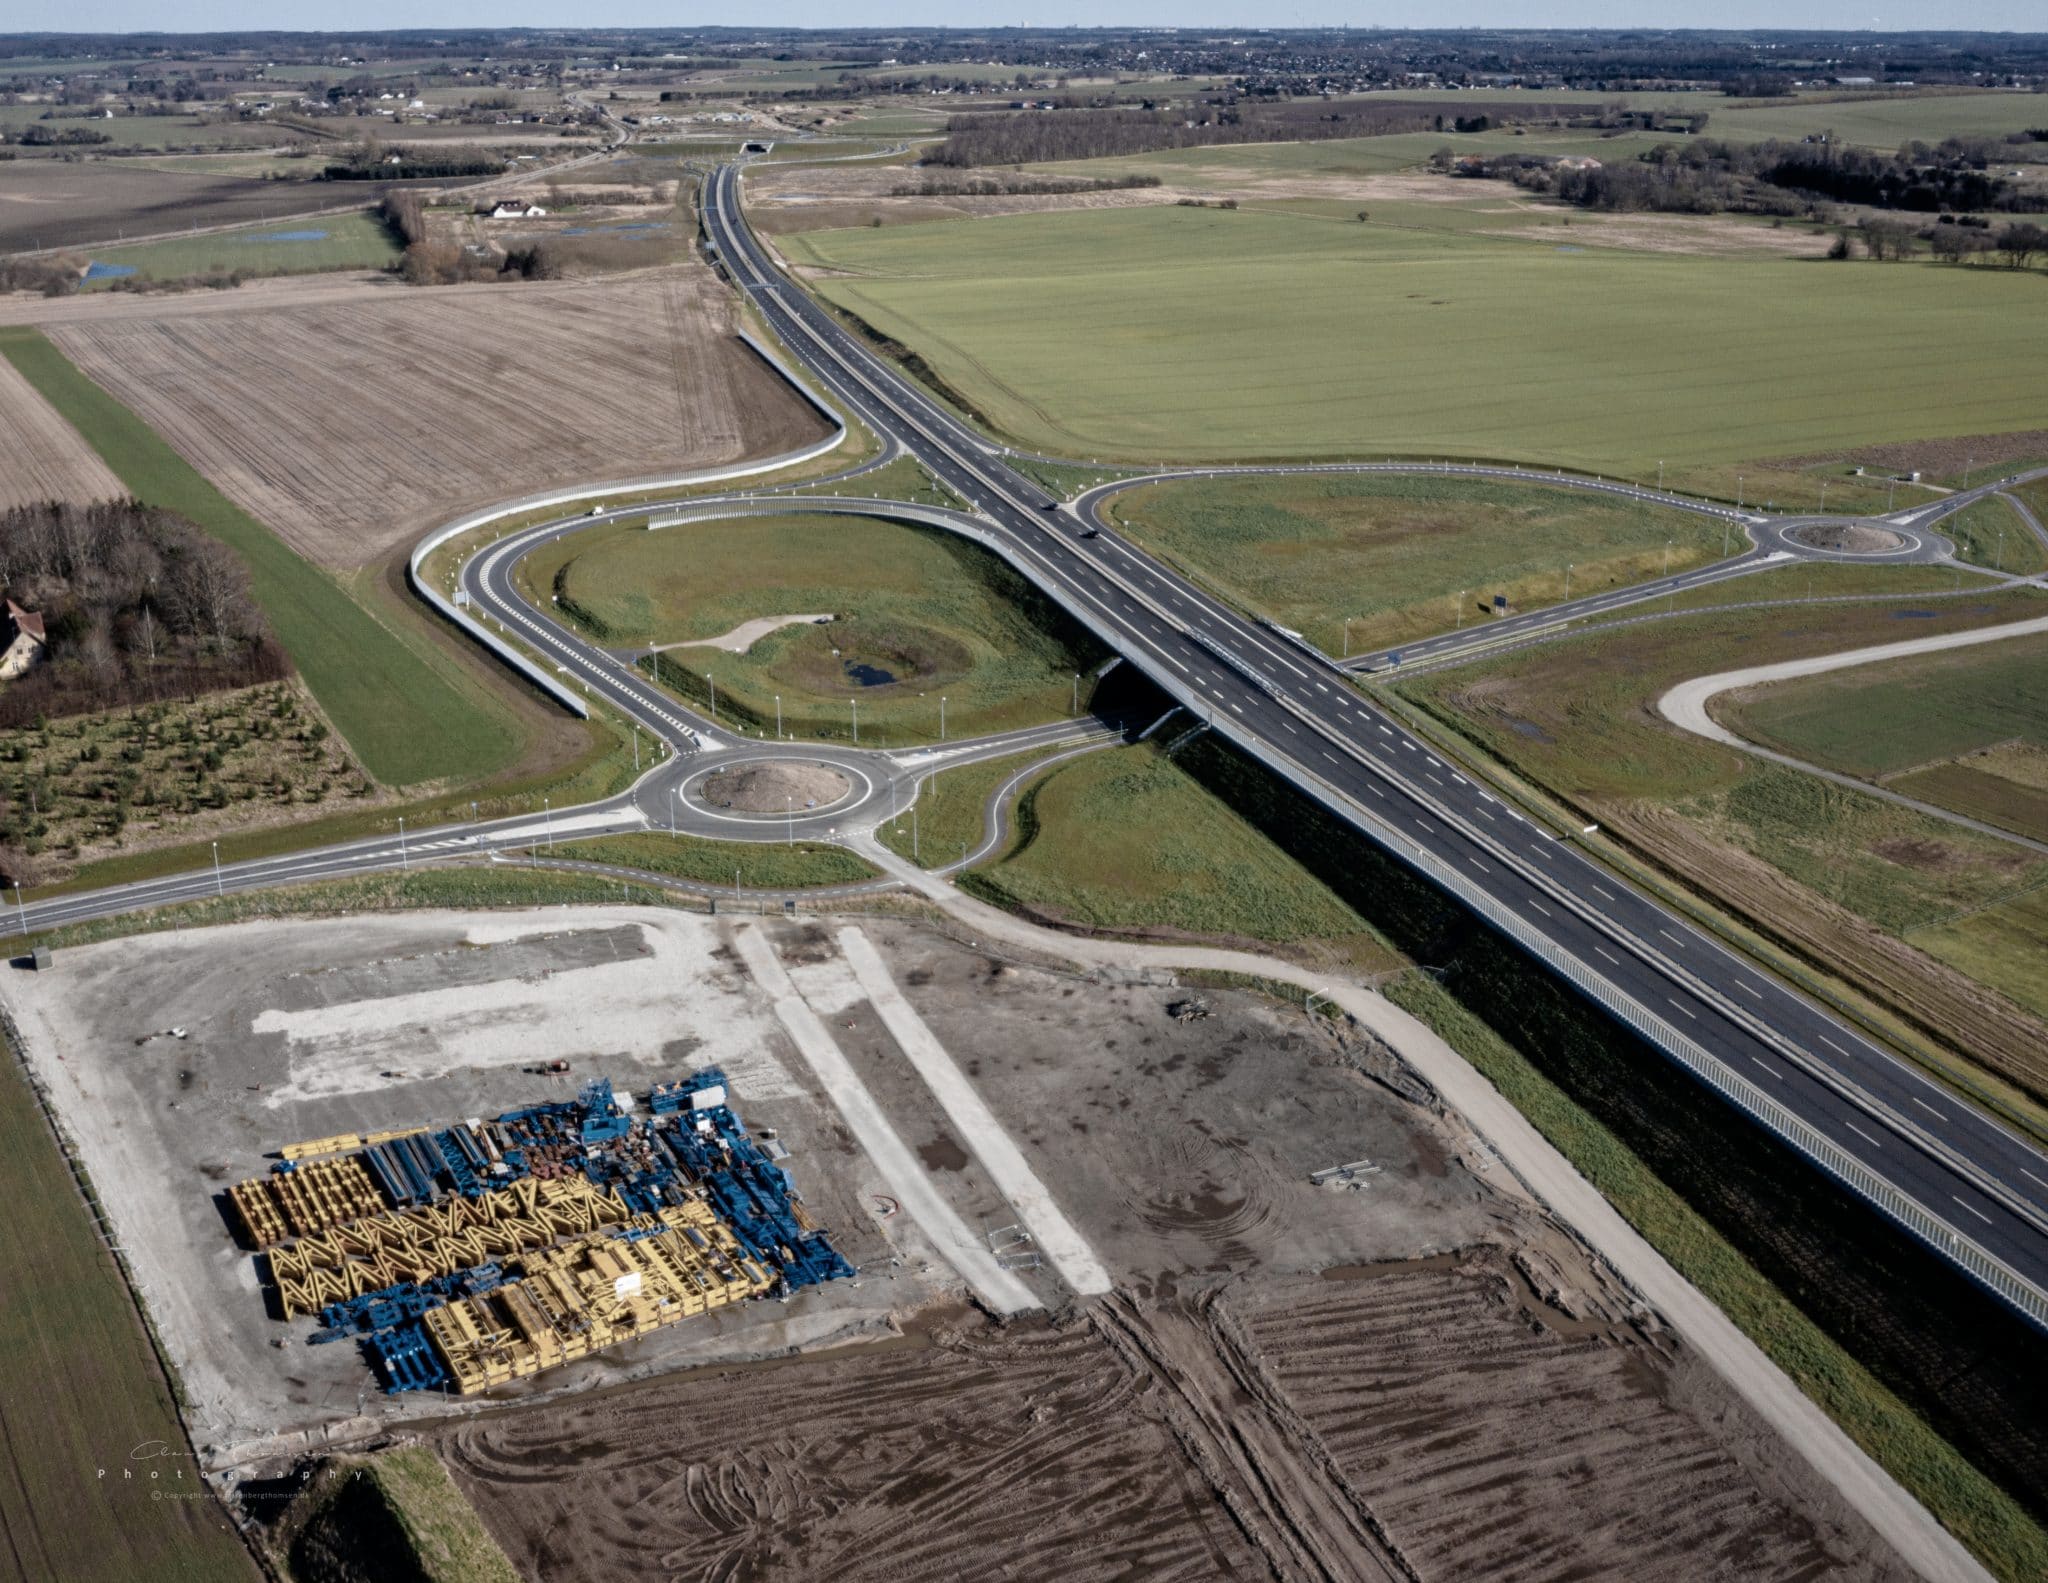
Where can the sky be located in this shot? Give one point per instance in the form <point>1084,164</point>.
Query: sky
<point>120,16</point>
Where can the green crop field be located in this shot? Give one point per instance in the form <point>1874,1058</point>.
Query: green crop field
<point>1401,557</point>
<point>919,614</point>
<point>1880,122</point>
<point>1990,533</point>
<point>407,718</point>
<point>1174,333</point>
<point>344,241</point>
<point>93,1448</point>
<point>1126,840</point>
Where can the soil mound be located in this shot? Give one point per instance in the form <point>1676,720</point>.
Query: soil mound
<point>775,787</point>
<point>1850,538</point>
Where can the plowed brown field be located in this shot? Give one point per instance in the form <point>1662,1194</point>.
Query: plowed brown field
<point>41,456</point>
<point>352,427</point>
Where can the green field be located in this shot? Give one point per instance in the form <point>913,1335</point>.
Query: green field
<point>352,241</point>
<point>1172,333</point>
<point>757,865</point>
<point>92,1443</point>
<point>1966,730</point>
<point>144,131</point>
<point>1875,720</point>
<point>408,714</point>
<point>1990,533</point>
<point>1127,840</point>
<point>919,614</point>
<point>1882,122</point>
<point>1400,557</point>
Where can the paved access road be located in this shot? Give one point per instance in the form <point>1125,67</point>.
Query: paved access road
<point>1957,1178</point>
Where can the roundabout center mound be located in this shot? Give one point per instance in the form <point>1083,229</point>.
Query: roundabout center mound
<point>1850,538</point>
<point>775,787</point>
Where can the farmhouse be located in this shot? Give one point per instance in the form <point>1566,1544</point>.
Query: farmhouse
<point>516,209</point>
<point>21,641</point>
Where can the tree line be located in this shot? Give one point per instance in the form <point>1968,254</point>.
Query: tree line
<point>137,604</point>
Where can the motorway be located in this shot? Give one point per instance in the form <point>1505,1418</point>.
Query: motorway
<point>1977,1192</point>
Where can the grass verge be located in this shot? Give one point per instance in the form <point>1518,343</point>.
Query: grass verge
<point>405,722</point>
<point>946,822</point>
<point>756,865</point>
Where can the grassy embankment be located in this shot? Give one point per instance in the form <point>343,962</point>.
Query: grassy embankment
<point>395,1514</point>
<point>1403,557</point>
<point>918,614</point>
<point>344,241</point>
<point>98,1482</point>
<point>1126,841</point>
<point>1966,729</point>
<point>1107,333</point>
<point>947,821</point>
<point>756,865</point>
<point>1837,880</point>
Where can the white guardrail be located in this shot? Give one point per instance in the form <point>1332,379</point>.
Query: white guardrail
<point>517,657</point>
<point>1976,1260</point>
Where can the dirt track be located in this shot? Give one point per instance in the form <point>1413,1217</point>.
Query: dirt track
<point>41,456</point>
<point>352,426</point>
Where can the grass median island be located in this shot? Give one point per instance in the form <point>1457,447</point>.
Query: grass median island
<point>93,1446</point>
<point>1403,556</point>
<point>757,865</point>
<point>1971,1505</point>
<point>1990,533</point>
<point>1965,728</point>
<point>1168,333</point>
<point>1844,882</point>
<point>949,818</point>
<point>407,720</point>
<point>918,614</point>
<point>1127,841</point>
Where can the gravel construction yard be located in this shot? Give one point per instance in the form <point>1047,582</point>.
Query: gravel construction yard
<point>41,456</point>
<point>1407,1370</point>
<point>352,427</point>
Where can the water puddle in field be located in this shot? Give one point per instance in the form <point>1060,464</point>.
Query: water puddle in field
<point>865,675</point>
<point>1912,615</point>
<point>99,271</point>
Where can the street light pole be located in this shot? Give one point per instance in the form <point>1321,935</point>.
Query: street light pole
<point>854,705</point>
<point>636,747</point>
<point>1347,636</point>
<point>942,717</point>
<point>1738,491</point>
<point>21,907</point>
<point>1660,478</point>
<point>1461,610</point>
<point>778,717</point>
<point>1567,597</point>
<point>404,863</point>
<point>547,819</point>
<point>673,829</point>
<point>1076,707</point>
<point>217,890</point>
<point>712,682</point>
<point>789,813</point>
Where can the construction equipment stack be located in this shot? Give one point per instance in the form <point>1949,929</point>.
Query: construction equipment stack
<point>486,1252</point>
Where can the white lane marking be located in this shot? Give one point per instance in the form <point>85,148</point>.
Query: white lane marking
<point>1672,938</point>
<point>1597,891</point>
<point>1478,865</point>
<point>2030,1176</point>
<point>1425,825</point>
<point>1608,954</point>
<point>1331,757</point>
<point>1540,908</point>
<point>1369,786</point>
<point>1774,1076</point>
<point>1747,990</point>
<point>1290,726</point>
<point>1866,1137</point>
<point>1973,1209</point>
<point>1933,1112</point>
<point>1484,814</point>
<point>1674,1004</point>
<point>1824,1039</point>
